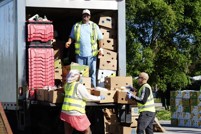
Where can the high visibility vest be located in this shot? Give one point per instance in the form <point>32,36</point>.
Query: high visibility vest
<point>71,100</point>
<point>149,105</point>
<point>94,37</point>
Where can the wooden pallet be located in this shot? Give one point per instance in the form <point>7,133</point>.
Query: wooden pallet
<point>4,124</point>
<point>157,127</point>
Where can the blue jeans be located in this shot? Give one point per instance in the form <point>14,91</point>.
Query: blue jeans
<point>91,62</point>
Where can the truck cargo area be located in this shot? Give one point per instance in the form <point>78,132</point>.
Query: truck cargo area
<point>63,19</point>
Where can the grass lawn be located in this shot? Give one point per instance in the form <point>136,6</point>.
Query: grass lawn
<point>163,114</point>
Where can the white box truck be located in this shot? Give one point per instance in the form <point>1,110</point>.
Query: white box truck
<point>13,43</point>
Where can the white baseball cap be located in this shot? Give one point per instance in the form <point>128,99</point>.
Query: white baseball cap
<point>86,11</point>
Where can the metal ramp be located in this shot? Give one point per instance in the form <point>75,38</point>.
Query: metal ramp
<point>4,124</point>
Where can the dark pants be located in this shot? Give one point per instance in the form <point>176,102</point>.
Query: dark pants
<point>145,122</point>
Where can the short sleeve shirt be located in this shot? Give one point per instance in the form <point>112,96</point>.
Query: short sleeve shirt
<point>85,40</point>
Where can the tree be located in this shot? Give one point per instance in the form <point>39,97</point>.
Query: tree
<point>161,39</point>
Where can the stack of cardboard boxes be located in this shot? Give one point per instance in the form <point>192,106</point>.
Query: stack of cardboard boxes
<point>113,125</point>
<point>108,61</point>
<point>186,108</point>
<point>115,93</point>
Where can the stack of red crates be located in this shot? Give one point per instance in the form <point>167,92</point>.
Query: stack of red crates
<point>41,67</point>
<point>40,32</point>
<point>40,57</point>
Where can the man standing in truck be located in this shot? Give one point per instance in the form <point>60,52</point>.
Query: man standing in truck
<point>87,37</point>
<point>145,103</point>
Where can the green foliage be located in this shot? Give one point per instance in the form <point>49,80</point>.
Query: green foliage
<point>164,40</point>
<point>163,115</point>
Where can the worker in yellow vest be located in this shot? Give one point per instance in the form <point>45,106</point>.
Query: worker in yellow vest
<point>73,108</point>
<point>145,103</point>
<point>88,43</point>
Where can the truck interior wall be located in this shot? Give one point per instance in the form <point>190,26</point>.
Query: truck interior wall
<point>63,20</point>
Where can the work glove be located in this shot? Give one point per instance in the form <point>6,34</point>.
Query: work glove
<point>129,95</point>
<point>102,97</point>
<point>130,88</point>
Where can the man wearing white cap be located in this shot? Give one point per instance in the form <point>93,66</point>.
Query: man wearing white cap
<point>88,43</point>
<point>73,108</point>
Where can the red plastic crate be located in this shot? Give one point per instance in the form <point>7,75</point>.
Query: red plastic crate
<point>41,67</point>
<point>40,32</point>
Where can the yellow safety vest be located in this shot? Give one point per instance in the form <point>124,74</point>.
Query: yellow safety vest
<point>71,100</point>
<point>149,105</point>
<point>94,37</point>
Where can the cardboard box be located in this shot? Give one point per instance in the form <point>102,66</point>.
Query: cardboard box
<point>110,55</point>
<point>123,99</point>
<point>106,127</point>
<point>186,102</point>
<point>174,122</point>
<point>195,123</point>
<point>134,121</point>
<point>105,21</point>
<point>65,71</point>
<point>108,33</point>
<point>57,54</point>
<point>56,96</point>
<point>109,95</point>
<point>86,81</point>
<point>194,94</point>
<point>186,94</point>
<point>134,111</point>
<point>40,94</point>
<point>58,74</point>
<point>109,44</point>
<point>106,64</point>
<point>178,101</point>
<point>108,113</point>
<point>113,119</point>
<point>83,69</point>
<point>194,110</point>
<point>186,109</point>
<point>115,129</point>
<point>172,102</point>
<point>57,64</point>
<point>118,81</point>
<point>127,130</point>
<point>102,74</point>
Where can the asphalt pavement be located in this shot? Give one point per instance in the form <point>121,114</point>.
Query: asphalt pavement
<point>178,130</point>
